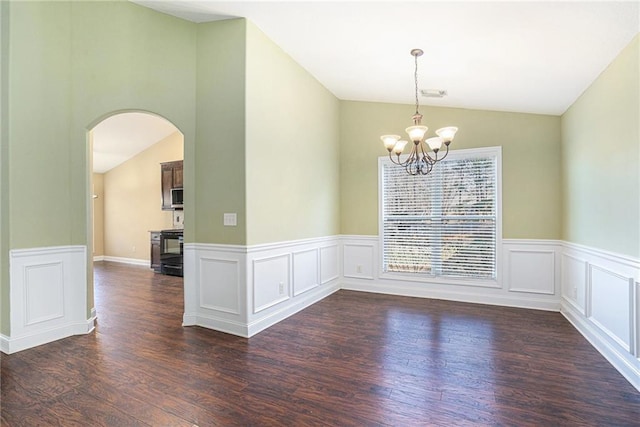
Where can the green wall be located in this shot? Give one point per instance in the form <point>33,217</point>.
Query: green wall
<point>292,163</point>
<point>71,65</point>
<point>4,168</point>
<point>601,159</point>
<point>530,162</point>
<point>219,163</point>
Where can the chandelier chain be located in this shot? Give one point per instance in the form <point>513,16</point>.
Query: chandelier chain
<point>415,76</point>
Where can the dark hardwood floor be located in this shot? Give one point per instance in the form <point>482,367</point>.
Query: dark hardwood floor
<point>353,359</point>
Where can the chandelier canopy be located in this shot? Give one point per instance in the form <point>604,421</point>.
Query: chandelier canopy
<point>419,161</point>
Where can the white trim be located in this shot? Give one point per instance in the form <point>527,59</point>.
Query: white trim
<point>623,356</point>
<point>48,296</point>
<point>456,295</point>
<point>533,242</point>
<point>235,262</point>
<point>321,261</point>
<point>251,318</point>
<point>284,296</point>
<point>46,336</point>
<point>608,255</point>
<point>50,250</point>
<point>5,344</point>
<point>289,244</point>
<point>487,292</point>
<point>98,258</point>
<point>511,288</point>
<point>309,298</point>
<point>130,261</point>
<point>297,292</point>
<point>618,359</point>
<point>440,280</point>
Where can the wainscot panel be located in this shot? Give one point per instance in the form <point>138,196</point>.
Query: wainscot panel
<point>243,290</point>
<point>215,291</point>
<point>305,271</point>
<point>270,281</point>
<point>574,281</point>
<point>362,272</point>
<point>50,285</point>
<point>329,264</point>
<point>610,319</point>
<point>359,258</point>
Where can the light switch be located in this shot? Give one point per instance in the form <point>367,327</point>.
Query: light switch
<point>230,219</point>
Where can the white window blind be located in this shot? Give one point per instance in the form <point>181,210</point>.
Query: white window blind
<point>445,223</point>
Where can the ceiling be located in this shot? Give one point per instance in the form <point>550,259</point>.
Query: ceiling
<point>120,137</point>
<point>533,57</point>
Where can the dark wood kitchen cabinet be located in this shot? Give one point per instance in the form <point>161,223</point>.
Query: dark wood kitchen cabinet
<point>155,251</point>
<point>171,178</point>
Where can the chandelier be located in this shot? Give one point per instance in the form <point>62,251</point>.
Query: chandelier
<point>419,161</point>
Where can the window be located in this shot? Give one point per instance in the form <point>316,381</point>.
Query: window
<point>445,224</point>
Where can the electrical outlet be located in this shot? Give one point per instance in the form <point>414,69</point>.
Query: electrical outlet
<point>281,287</point>
<point>359,268</point>
<point>133,249</point>
<point>230,219</point>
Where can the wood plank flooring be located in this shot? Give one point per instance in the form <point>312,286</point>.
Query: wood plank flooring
<point>353,359</point>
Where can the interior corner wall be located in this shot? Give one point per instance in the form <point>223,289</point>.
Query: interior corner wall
<point>531,193</point>
<point>601,159</point>
<point>292,148</point>
<point>132,205</point>
<point>219,157</point>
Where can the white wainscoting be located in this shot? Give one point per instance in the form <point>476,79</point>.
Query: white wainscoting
<point>529,277</point>
<point>601,299</point>
<point>215,290</point>
<point>48,296</point>
<point>243,290</point>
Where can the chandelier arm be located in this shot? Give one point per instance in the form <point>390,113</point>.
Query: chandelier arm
<point>397,162</point>
<point>446,153</point>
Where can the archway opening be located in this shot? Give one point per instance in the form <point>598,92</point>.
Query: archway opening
<point>132,201</point>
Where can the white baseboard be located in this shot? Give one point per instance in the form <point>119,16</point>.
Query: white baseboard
<point>220,324</point>
<point>26,341</point>
<point>475,298</point>
<point>98,258</point>
<point>259,325</point>
<point>622,361</point>
<point>4,343</point>
<point>131,261</point>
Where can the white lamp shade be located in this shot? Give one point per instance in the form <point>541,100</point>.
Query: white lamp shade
<point>399,146</point>
<point>416,133</point>
<point>447,133</point>
<point>389,141</point>
<point>434,143</point>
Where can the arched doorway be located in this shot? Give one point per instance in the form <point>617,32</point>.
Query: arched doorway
<point>127,150</point>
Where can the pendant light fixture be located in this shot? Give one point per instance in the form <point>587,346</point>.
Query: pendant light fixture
<point>419,161</point>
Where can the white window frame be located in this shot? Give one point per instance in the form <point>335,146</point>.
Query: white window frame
<point>424,278</point>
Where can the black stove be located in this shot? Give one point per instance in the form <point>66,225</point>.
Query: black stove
<point>171,252</point>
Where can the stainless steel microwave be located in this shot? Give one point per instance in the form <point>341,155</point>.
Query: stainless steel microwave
<point>176,198</point>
